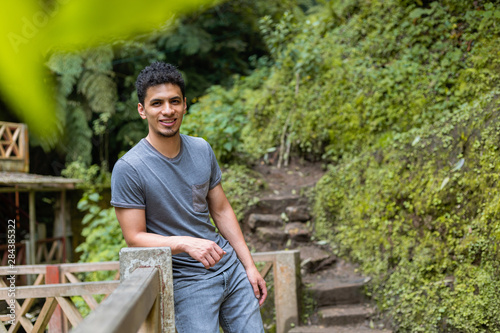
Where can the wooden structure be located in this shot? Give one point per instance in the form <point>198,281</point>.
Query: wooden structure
<point>147,285</point>
<point>60,284</point>
<point>14,153</point>
<point>143,302</point>
<point>48,250</point>
<point>14,178</point>
<point>24,182</point>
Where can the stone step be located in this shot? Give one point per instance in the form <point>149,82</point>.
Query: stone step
<point>298,213</point>
<point>331,292</point>
<point>344,314</point>
<point>345,329</point>
<point>298,232</point>
<point>272,235</point>
<point>314,257</point>
<point>277,204</point>
<point>264,220</point>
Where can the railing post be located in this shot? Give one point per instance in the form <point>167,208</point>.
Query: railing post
<point>161,258</point>
<point>287,287</point>
<point>52,276</point>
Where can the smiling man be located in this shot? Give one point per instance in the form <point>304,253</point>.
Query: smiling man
<point>164,191</point>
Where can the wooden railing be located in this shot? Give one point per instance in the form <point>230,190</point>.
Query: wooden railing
<point>58,311</point>
<point>286,284</point>
<point>14,147</point>
<point>51,250</point>
<point>147,287</point>
<point>133,306</point>
<point>48,251</point>
<point>20,254</point>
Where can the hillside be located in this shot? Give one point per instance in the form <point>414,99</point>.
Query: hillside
<point>399,100</point>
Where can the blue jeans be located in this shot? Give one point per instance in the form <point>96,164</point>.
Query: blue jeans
<point>227,299</point>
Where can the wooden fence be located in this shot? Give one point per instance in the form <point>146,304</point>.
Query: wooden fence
<point>48,251</point>
<point>58,311</point>
<point>146,285</point>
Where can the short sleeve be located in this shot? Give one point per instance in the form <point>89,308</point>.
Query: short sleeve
<point>126,188</point>
<point>216,173</point>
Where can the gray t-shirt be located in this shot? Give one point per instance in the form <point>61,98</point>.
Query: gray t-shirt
<point>173,193</point>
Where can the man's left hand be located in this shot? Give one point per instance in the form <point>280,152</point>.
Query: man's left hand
<point>258,284</point>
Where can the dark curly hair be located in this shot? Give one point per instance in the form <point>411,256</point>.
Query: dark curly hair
<point>155,74</point>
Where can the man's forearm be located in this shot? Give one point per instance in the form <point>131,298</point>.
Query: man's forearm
<point>146,239</point>
<point>205,251</point>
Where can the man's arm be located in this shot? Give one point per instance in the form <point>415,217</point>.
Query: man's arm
<point>133,224</point>
<point>225,220</point>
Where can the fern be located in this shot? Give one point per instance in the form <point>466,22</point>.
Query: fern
<point>99,90</point>
<point>68,66</point>
<point>78,144</point>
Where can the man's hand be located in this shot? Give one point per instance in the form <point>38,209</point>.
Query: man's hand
<point>258,284</point>
<point>204,251</point>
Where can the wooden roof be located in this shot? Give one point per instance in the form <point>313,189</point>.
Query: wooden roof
<point>19,181</point>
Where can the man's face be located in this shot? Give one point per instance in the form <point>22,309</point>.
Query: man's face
<point>163,108</point>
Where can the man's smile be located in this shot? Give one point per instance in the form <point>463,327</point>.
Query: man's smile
<point>168,123</point>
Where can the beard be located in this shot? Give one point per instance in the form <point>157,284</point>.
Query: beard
<point>167,134</point>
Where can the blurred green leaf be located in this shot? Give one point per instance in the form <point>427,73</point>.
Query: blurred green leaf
<point>31,31</point>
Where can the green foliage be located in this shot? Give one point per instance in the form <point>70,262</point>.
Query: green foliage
<point>212,45</point>
<point>419,214</point>
<point>102,232</point>
<point>220,116</point>
<point>95,178</point>
<point>241,185</point>
<point>87,99</point>
<point>401,97</point>
<point>417,209</point>
<point>103,236</point>
<point>344,75</point>
<point>97,104</point>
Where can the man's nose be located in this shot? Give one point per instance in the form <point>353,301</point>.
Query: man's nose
<point>168,109</point>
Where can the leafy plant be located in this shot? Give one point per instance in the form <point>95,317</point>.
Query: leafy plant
<point>102,232</point>
<point>241,186</point>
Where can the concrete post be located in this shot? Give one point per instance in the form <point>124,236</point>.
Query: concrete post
<point>287,289</point>
<point>161,258</point>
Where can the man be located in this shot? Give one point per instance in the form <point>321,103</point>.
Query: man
<point>164,191</point>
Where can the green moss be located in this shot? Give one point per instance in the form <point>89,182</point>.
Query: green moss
<point>420,216</point>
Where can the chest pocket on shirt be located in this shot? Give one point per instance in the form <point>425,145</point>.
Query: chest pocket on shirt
<point>200,197</point>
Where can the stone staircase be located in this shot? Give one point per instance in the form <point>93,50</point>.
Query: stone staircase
<point>339,301</point>
<point>283,222</point>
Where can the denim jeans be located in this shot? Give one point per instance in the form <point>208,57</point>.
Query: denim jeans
<point>226,299</point>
